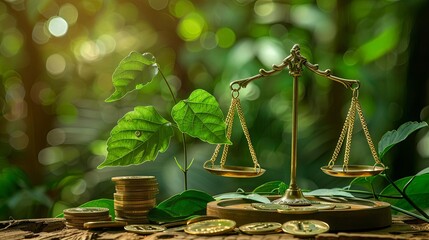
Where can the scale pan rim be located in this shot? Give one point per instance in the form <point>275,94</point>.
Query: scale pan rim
<point>235,171</point>
<point>352,170</point>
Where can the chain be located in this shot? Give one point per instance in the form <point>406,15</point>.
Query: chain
<point>235,104</point>
<point>351,122</point>
<point>367,135</point>
<point>246,133</point>
<point>229,121</point>
<point>342,136</point>
<point>347,130</point>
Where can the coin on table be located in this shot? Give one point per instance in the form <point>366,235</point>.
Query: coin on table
<point>305,227</point>
<point>144,229</point>
<point>200,218</point>
<point>86,211</point>
<point>261,228</point>
<point>297,210</point>
<point>211,227</point>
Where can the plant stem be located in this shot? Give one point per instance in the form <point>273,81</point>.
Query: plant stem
<point>407,198</point>
<point>409,213</point>
<point>185,151</point>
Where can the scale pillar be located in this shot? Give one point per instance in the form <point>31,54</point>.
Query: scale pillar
<point>293,195</point>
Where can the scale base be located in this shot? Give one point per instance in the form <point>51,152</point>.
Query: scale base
<point>293,197</point>
<point>352,215</point>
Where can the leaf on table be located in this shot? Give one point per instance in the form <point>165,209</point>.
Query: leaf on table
<point>181,206</point>
<point>391,138</point>
<point>137,138</point>
<point>253,196</point>
<point>133,72</point>
<point>200,116</point>
<point>334,192</point>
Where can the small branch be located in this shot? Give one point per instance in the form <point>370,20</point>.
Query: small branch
<point>407,198</point>
<point>409,213</point>
<point>185,151</point>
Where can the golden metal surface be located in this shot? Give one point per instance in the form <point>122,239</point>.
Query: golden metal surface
<point>144,229</point>
<point>261,228</point>
<point>211,227</point>
<point>305,228</point>
<point>235,171</point>
<point>352,171</point>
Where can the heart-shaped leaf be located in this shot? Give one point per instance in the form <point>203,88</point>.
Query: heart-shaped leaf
<point>393,137</point>
<point>137,138</point>
<point>133,72</point>
<point>200,116</point>
<point>181,206</point>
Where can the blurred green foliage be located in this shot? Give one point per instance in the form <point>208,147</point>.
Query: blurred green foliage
<point>57,58</point>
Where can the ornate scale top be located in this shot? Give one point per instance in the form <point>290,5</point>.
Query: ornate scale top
<point>293,196</point>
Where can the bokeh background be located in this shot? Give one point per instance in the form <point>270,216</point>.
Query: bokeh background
<point>57,58</point>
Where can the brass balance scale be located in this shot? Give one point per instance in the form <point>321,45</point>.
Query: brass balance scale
<point>342,214</point>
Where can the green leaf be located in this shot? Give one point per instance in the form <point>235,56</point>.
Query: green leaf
<point>393,137</point>
<point>137,138</point>
<point>334,192</point>
<point>273,187</point>
<point>424,171</point>
<point>368,183</point>
<point>102,202</point>
<point>253,196</point>
<point>418,191</point>
<point>200,116</point>
<point>181,206</point>
<point>133,72</point>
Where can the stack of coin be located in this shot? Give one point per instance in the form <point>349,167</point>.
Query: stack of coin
<point>76,217</point>
<point>134,197</point>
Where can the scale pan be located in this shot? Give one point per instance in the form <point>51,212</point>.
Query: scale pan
<point>352,170</point>
<point>235,171</point>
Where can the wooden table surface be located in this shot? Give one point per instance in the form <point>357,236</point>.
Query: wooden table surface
<point>55,229</point>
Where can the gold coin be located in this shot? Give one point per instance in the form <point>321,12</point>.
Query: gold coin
<point>267,206</point>
<point>84,220</point>
<point>134,180</point>
<point>144,228</point>
<point>200,218</point>
<point>104,224</point>
<point>134,196</point>
<point>125,190</point>
<point>211,227</point>
<point>132,220</point>
<point>146,203</point>
<point>261,227</point>
<point>305,227</point>
<point>126,208</point>
<point>86,211</point>
<point>297,210</point>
